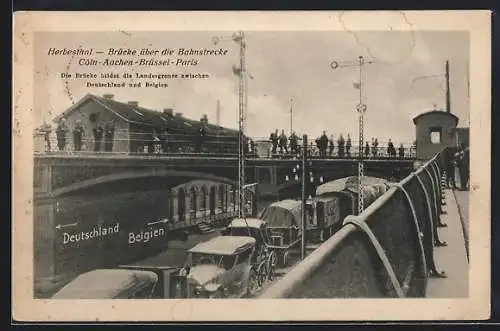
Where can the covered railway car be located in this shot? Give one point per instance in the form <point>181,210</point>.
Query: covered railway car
<point>323,218</point>
<point>346,190</point>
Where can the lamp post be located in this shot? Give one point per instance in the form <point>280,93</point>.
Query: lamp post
<point>308,186</point>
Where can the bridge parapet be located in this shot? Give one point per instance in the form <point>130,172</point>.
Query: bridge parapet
<point>182,145</point>
<point>387,251</point>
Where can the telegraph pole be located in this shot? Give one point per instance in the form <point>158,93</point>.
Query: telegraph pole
<point>361,109</point>
<point>447,75</point>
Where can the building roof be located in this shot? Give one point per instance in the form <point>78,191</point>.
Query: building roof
<point>107,284</point>
<point>144,116</point>
<point>416,118</point>
<point>249,222</point>
<point>223,245</point>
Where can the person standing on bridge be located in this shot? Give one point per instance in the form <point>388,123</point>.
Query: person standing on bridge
<point>340,144</point>
<point>109,133</point>
<point>283,142</point>
<point>331,146</point>
<point>98,132</point>
<point>391,151</point>
<point>323,141</point>
<point>78,134</point>
<point>294,143</point>
<point>401,151</point>
<point>375,147</point>
<point>450,168</point>
<point>367,149</point>
<point>348,146</point>
<point>200,137</point>
<point>61,131</point>
<point>463,167</point>
<point>274,141</point>
<point>164,140</point>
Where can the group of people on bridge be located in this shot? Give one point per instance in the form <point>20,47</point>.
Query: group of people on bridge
<point>326,146</point>
<point>103,136</point>
<point>157,141</point>
<point>457,163</point>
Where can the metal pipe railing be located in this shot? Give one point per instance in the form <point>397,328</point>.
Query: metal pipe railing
<point>307,267</point>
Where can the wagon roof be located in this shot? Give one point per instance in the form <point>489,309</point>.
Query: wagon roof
<point>347,183</point>
<point>106,283</point>
<point>287,204</point>
<point>249,222</point>
<point>283,213</point>
<point>224,245</point>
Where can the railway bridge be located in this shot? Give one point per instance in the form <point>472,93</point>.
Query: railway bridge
<point>63,174</point>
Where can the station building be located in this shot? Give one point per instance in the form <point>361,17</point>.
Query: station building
<point>133,124</point>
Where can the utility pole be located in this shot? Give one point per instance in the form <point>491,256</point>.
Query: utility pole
<point>447,75</point>
<point>291,116</point>
<point>361,109</point>
<point>304,198</point>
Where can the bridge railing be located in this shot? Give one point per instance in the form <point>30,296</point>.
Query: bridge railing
<point>211,146</point>
<point>386,251</point>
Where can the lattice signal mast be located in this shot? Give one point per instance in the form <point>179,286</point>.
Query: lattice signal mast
<point>242,75</point>
<point>361,109</point>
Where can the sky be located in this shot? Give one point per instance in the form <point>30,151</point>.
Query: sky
<point>283,66</point>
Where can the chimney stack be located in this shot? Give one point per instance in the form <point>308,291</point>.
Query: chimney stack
<point>108,96</point>
<point>168,111</point>
<point>178,115</point>
<point>133,103</point>
<point>217,113</point>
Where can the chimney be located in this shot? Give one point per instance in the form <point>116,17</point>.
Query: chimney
<point>168,111</point>
<point>133,103</point>
<point>108,96</point>
<point>178,115</point>
<point>217,113</point>
<point>204,118</point>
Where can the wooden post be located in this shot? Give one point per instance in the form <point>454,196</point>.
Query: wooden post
<point>448,99</point>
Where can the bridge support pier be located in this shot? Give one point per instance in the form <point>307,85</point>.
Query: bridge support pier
<point>43,179</point>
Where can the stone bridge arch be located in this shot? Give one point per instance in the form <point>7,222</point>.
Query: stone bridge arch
<point>139,179</point>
